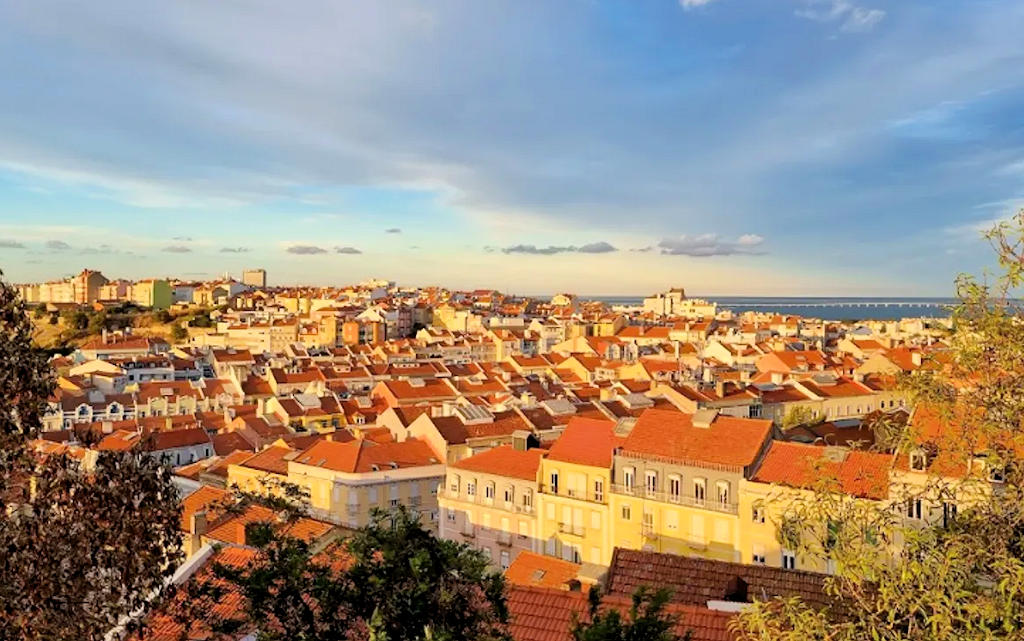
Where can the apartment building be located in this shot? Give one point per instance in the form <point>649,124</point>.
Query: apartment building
<point>346,480</point>
<point>573,517</point>
<point>677,480</point>
<point>488,501</point>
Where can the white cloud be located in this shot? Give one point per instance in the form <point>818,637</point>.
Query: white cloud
<point>692,4</point>
<point>862,19</point>
<point>852,18</point>
<point>710,245</point>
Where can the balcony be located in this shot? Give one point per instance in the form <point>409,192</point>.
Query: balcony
<point>505,539</point>
<point>469,531</point>
<point>524,509</point>
<point>648,532</point>
<point>688,501</point>
<point>570,529</point>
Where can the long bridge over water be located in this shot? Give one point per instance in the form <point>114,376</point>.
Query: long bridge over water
<point>775,304</point>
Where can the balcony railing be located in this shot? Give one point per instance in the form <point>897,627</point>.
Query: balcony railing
<point>570,529</point>
<point>689,501</point>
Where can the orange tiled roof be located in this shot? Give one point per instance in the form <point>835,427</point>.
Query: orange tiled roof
<point>729,441</point>
<point>538,570</point>
<point>504,461</point>
<point>857,473</point>
<point>586,441</point>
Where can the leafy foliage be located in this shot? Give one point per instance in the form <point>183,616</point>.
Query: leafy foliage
<point>391,580</point>
<point>956,574</point>
<point>647,620</point>
<point>84,543</point>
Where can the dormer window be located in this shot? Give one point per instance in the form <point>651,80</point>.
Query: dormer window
<point>918,461</point>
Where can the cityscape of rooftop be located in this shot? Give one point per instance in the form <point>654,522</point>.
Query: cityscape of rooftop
<point>456,320</point>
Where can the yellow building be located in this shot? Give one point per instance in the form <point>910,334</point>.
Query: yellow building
<point>677,479</point>
<point>347,480</point>
<point>573,508</point>
<point>488,502</point>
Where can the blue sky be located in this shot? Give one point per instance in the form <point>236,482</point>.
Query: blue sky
<point>733,147</point>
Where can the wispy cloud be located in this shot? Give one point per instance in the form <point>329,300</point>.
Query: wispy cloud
<point>346,250</point>
<point>234,250</point>
<point>693,4</point>
<point>183,239</point>
<point>851,18</point>
<point>11,244</point>
<point>58,245</point>
<point>393,230</point>
<point>176,249</point>
<point>590,248</point>
<point>305,250</point>
<point>711,245</point>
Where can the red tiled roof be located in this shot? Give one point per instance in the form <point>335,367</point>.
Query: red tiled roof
<point>695,580</point>
<point>855,472</point>
<point>364,455</point>
<point>586,441</point>
<point>728,441</point>
<point>538,570</point>
<point>545,614</point>
<point>504,461</point>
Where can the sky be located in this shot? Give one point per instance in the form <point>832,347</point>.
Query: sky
<point>732,147</point>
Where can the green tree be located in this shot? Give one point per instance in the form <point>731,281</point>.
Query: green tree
<point>82,547</point>
<point>179,333</point>
<point>646,620</point>
<point>391,580</point>
<point>958,577</point>
<point>800,415</point>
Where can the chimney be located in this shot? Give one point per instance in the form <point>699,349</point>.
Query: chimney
<point>777,378</point>
<point>520,440</point>
<point>915,358</point>
<point>104,334</point>
<point>198,524</point>
<point>720,388</point>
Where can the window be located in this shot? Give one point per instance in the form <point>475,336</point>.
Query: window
<point>700,491</point>
<point>918,461</point>
<point>914,509</point>
<point>948,513</point>
<point>757,554</point>
<point>758,513</point>
<point>789,559</point>
<point>627,512</point>
<point>675,484</point>
<point>454,485</point>
<point>599,489</point>
<point>651,483</point>
<point>450,515</point>
<point>554,482</point>
<point>489,492</point>
<point>722,488</point>
<point>528,499</point>
<point>504,560</point>
<point>508,494</point>
<point>628,479</point>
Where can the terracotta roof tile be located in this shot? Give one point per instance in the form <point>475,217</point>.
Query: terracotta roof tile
<point>504,461</point>
<point>586,441</point>
<point>729,441</point>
